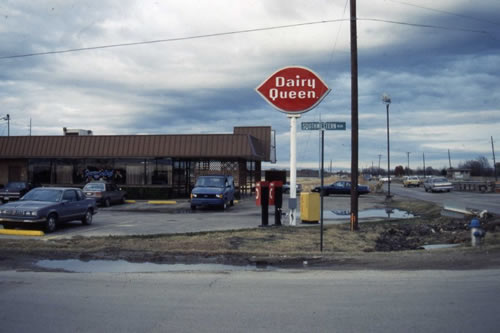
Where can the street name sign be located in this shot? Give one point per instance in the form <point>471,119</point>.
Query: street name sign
<point>318,125</point>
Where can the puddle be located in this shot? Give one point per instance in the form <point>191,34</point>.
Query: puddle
<point>122,266</point>
<point>368,213</point>
<point>439,246</point>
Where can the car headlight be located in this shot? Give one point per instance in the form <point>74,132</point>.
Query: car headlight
<point>3,211</point>
<point>219,196</point>
<point>193,195</point>
<point>30,213</point>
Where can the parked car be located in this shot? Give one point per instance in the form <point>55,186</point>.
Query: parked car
<point>286,188</point>
<point>439,184</point>
<point>105,193</point>
<point>411,181</point>
<point>14,191</point>
<point>215,191</point>
<point>384,179</point>
<point>341,187</point>
<point>48,207</point>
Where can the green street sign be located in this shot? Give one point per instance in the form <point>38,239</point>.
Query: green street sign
<point>318,125</point>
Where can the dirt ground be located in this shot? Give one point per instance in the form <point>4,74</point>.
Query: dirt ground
<point>379,245</point>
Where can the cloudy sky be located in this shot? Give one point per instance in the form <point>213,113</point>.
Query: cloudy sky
<point>438,60</point>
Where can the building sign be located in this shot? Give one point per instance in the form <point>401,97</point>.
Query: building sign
<point>293,90</point>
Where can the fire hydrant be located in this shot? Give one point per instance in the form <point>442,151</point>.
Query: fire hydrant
<point>476,233</point>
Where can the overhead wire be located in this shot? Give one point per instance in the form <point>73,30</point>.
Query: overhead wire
<point>219,34</point>
<point>482,20</point>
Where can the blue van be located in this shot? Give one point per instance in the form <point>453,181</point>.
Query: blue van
<point>213,190</point>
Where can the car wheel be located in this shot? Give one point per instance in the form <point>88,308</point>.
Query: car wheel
<point>224,206</point>
<point>51,223</point>
<point>122,201</point>
<point>8,226</point>
<point>231,203</point>
<point>193,207</point>
<point>426,190</point>
<point>87,218</point>
<point>107,202</point>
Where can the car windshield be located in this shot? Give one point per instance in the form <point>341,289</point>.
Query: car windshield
<point>210,182</point>
<point>94,187</point>
<point>51,195</point>
<point>440,180</point>
<point>15,186</point>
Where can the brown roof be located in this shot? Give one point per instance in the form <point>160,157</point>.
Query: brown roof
<point>223,146</point>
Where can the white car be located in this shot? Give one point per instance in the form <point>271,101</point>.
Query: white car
<point>439,184</point>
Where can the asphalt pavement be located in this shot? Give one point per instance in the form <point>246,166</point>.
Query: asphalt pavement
<point>251,301</point>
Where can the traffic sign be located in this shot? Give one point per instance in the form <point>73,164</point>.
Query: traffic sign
<point>318,125</point>
<point>293,90</point>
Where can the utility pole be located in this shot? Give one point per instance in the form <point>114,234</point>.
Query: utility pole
<point>449,158</point>
<point>354,117</point>
<point>494,161</point>
<point>379,157</point>
<point>30,126</point>
<point>408,153</point>
<point>423,158</point>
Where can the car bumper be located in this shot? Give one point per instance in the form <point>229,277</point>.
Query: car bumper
<point>207,202</point>
<point>442,188</point>
<point>22,220</point>
<point>6,197</point>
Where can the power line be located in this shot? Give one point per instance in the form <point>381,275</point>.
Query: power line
<point>444,12</point>
<point>177,39</point>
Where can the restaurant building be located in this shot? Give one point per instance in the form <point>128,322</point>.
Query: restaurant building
<point>149,166</point>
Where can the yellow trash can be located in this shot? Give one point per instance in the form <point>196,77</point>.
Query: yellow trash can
<point>309,207</point>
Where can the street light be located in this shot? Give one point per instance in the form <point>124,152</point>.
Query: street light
<point>386,99</point>
<point>8,123</point>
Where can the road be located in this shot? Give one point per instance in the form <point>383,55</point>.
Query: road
<point>251,301</point>
<point>475,200</point>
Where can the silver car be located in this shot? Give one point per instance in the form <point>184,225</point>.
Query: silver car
<point>440,184</point>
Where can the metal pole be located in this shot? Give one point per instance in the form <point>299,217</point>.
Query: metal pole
<point>322,183</point>
<point>379,157</point>
<point>388,156</point>
<point>494,161</point>
<point>293,168</point>
<point>8,124</point>
<point>449,158</point>
<point>354,118</point>
<point>423,158</point>
<point>408,153</point>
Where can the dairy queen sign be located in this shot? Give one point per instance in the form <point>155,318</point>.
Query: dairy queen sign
<point>293,90</point>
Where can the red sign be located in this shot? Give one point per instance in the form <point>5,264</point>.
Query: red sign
<point>293,90</point>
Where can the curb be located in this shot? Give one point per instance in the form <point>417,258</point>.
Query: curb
<point>21,232</point>
<point>162,202</point>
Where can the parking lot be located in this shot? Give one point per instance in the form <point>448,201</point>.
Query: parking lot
<point>143,218</point>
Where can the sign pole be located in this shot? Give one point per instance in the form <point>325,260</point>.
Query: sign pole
<point>322,185</point>
<point>292,204</point>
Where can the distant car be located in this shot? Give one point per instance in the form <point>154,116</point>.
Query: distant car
<point>439,184</point>
<point>105,193</point>
<point>384,179</point>
<point>14,191</point>
<point>341,187</point>
<point>286,188</point>
<point>48,206</point>
<point>411,181</point>
<point>215,191</point>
